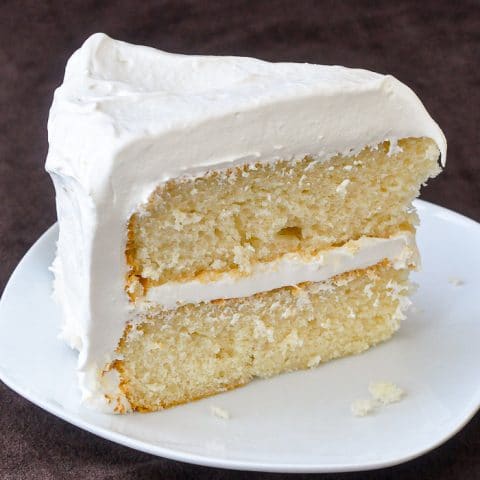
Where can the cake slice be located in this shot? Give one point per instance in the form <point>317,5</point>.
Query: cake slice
<point>226,218</point>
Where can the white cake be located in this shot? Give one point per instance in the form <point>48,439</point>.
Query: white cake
<point>226,218</point>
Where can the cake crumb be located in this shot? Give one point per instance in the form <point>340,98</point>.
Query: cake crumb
<point>342,188</point>
<point>242,257</point>
<point>458,282</point>
<point>314,361</point>
<point>218,264</point>
<point>382,393</point>
<point>362,407</point>
<point>386,392</point>
<point>219,412</point>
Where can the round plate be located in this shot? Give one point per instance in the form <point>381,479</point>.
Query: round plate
<point>298,422</point>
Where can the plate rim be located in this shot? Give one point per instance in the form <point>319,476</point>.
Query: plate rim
<point>216,462</point>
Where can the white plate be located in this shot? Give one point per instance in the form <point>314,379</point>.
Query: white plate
<point>299,422</point>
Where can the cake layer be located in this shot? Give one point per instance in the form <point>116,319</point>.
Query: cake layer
<point>290,269</point>
<point>198,350</point>
<point>230,221</point>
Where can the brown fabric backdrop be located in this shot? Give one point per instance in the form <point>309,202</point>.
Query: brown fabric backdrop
<point>433,46</point>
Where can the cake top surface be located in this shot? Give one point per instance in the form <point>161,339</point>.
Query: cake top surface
<point>142,88</point>
<point>199,111</point>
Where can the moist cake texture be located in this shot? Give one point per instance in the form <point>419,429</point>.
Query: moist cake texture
<point>226,218</point>
<point>197,350</point>
<point>260,212</point>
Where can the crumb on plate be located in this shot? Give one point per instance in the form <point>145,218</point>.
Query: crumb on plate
<point>219,412</point>
<point>386,392</point>
<point>362,407</point>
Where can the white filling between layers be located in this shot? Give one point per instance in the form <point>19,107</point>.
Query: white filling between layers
<point>289,270</point>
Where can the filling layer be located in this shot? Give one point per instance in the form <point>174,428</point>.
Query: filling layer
<point>291,269</point>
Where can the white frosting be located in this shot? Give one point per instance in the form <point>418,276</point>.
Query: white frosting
<point>291,269</point>
<point>127,118</point>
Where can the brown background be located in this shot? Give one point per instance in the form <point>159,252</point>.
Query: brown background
<point>433,46</point>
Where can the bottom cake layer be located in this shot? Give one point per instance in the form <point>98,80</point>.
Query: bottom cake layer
<point>198,350</point>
